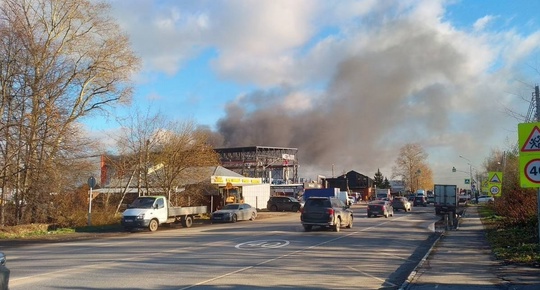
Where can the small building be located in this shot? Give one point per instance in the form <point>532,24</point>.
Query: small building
<point>352,181</point>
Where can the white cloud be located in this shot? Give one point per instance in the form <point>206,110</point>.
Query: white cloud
<point>483,22</point>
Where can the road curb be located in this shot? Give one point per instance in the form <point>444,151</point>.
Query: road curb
<point>414,272</point>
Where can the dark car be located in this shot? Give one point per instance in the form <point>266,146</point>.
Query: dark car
<point>4,273</point>
<point>380,207</point>
<point>326,212</point>
<point>420,200</point>
<point>234,212</point>
<point>283,203</point>
<point>402,203</point>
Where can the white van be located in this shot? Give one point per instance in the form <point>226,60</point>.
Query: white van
<point>344,196</point>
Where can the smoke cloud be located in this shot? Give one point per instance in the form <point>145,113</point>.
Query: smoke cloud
<point>407,85</point>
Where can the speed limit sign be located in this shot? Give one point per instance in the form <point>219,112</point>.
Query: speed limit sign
<point>532,170</point>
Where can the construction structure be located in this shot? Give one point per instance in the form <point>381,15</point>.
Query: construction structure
<point>275,165</point>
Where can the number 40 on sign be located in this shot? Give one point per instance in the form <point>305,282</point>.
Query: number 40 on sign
<point>532,171</point>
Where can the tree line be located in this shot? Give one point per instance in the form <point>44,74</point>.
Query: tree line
<point>62,61</point>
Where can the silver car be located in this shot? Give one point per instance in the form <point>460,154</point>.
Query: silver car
<point>234,212</point>
<point>485,199</point>
<point>4,273</point>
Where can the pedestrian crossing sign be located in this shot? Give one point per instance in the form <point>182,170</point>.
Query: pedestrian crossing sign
<point>529,154</point>
<point>530,138</point>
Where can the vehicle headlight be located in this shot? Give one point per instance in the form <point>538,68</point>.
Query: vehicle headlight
<point>140,216</point>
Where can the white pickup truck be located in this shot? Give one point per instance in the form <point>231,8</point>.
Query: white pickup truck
<point>152,211</point>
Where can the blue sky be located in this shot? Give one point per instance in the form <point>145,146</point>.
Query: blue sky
<point>346,82</point>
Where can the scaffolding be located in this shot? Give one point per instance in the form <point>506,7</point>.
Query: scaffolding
<point>276,165</point>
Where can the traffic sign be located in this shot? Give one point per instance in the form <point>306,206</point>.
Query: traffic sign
<point>532,170</point>
<point>467,181</point>
<point>494,180</point>
<point>92,182</point>
<point>529,154</point>
<point>529,171</point>
<point>532,142</point>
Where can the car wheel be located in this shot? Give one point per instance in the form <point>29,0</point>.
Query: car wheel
<point>234,218</point>
<point>307,228</point>
<point>187,222</point>
<point>295,208</point>
<point>337,226</point>
<point>273,208</point>
<point>350,222</point>
<point>253,216</point>
<point>153,226</point>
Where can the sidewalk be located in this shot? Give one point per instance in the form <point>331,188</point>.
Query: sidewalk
<point>462,259</point>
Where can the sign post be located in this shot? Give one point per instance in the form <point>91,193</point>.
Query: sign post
<point>91,184</point>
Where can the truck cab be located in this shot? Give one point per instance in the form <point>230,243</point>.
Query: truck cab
<point>146,212</point>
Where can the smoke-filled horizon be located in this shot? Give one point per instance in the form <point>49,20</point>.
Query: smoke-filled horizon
<point>408,83</point>
<point>348,83</point>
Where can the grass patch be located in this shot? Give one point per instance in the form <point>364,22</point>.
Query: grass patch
<point>32,231</point>
<point>510,242</point>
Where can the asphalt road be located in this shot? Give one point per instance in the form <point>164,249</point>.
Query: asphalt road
<point>269,253</point>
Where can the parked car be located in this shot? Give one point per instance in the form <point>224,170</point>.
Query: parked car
<point>420,200</point>
<point>283,203</point>
<point>401,203</point>
<point>4,273</point>
<point>234,212</point>
<point>485,199</point>
<point>380,207</point>
<point>329,212</point>
<point>351,200</point>
<point>430,199</point>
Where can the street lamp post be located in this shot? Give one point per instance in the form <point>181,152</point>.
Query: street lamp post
<point>470,175</point>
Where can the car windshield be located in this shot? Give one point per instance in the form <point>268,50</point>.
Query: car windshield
<point>231,206</point>
<point>318,203</point>
<point>142,202</point>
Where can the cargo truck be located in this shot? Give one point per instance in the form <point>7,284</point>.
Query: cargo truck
<point>320,192</point>
<point>446,199</point>
<point>383,193</point>
<point>152,211</point>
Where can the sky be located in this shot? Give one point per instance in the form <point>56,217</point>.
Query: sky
<point>348,83</point>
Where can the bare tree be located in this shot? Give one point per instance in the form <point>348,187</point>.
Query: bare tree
<point>411,166</point>
<point>61,60</point>
<point>183,157</point>
<point>160,157</point>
